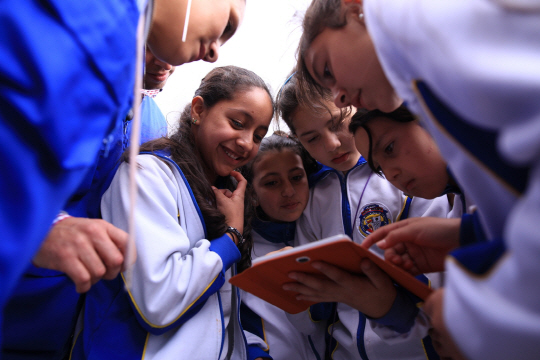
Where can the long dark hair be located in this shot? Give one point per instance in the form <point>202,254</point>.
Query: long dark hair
<point>362,118</point>
<point>220,84</point>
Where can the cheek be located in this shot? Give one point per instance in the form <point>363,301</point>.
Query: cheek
<point>267,204</point>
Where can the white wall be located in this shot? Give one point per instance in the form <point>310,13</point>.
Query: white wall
<point>265,43</point>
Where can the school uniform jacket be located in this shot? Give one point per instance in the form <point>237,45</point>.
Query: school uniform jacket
<point>180,304</point>
<point>357,204</point>
<point>469,69</point>
<point>282,339</point>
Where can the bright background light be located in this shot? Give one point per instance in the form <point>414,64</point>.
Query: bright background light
<point>265,43</point>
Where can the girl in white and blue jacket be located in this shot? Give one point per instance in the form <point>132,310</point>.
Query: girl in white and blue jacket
<point>189,221</point>
<point>278,180</point>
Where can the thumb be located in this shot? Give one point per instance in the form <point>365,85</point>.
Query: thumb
<point>377,276</point>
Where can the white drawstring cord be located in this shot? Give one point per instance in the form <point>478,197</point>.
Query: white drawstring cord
<point>135,137</point>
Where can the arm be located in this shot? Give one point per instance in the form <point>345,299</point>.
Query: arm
<point>177,269</point>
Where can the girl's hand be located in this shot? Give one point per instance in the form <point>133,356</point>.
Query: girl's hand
<point>418,245</point>
<point>231,204</point>
<point>372,293</point>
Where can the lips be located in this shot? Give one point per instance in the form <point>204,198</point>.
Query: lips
<point>160,76</point>
<point>290,206</point>
<point>341,158</point>
<point>231,155</point>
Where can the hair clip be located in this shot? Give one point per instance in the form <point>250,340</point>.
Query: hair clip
<point>285,83</point>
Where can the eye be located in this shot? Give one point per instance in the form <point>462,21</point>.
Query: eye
<point>270,183</point>
<point>326,72</point>
<point>227,29</point>
<point>389,149</point>
<point>313,139</point>
<point>237,124</point>
<point>297,178</point>
<point>258,138</point>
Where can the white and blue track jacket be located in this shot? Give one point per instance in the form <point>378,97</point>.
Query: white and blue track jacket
<point>180,304</point>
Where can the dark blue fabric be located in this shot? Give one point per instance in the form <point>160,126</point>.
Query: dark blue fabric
<point>66,79</point>
<point>253,323</point>
<point>480,257</point>
<point>480,143</point>
<point>429,349</point>
<point>471,231</point>
<point>276,233</point>
<point>402,314</point>
<point>361,345</point>
<point>40,317</point>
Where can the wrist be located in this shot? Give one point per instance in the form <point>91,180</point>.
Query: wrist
<point>61,216</point>
<point>235,234</point>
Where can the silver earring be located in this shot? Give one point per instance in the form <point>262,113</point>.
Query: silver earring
<point>361,16</point>
<point>193,120</point>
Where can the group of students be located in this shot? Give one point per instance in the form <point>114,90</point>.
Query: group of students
<point>405,130</point>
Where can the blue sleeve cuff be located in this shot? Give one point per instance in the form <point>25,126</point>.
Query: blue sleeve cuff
<point>42,272</point>
<point>402,314</point>
<point>255,352</point>
<point>226,249</point>
<point>471,231</point>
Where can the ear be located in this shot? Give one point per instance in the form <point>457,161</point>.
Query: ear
<point>355,7</point>
<point>197,109</point>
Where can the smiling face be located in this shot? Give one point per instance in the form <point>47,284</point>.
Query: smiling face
<point>407,156</point>
<point>281,185</point>
<point>229,133</point>
<point>325,138</point>
<point>156,72</point>
<point>211,24</point>
<point>344,61</point>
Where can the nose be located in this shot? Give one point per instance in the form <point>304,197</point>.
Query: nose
<point>213,52</point>
<point>245,141</point>
<point>392,173</point>
<point>341,98</point>
<point>331,142</point>
<point>288,189</point>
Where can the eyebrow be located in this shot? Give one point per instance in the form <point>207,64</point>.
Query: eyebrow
<point>331,121</point>
<point>277,174</point>
<point>242,111</point>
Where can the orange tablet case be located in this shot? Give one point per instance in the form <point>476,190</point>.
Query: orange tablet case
<point>268,273</point>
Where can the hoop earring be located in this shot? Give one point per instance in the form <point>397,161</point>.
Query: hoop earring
<point>194,121</point>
